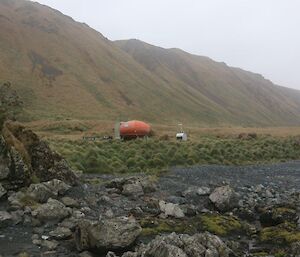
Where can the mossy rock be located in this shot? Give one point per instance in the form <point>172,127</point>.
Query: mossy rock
<point>280,253</point>
<point>285,214</point>
<point>27,200</point>
<point>221,225</point>
<point>284,234</point>
<point>278,215</point>
<point>152,227</point>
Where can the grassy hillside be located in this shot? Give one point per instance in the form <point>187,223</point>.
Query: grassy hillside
<point>240,95</point>
<point>64,69</point>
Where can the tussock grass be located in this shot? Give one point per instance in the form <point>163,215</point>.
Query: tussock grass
<point>152,155</point>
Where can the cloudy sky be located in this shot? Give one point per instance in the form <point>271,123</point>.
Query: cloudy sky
<point>262,36</point>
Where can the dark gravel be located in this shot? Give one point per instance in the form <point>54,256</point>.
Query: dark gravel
<point>284,175</point>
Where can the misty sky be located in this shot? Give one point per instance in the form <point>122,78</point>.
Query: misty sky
<point>262,36</point>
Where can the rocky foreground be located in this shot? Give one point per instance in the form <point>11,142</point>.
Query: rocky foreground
<point>209,211</point>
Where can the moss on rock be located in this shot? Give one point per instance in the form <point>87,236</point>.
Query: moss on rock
<point>286,233</point>
<point>220,224</point>
<point>155,226</point>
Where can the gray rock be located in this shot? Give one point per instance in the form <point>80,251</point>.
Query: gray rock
<point>113,234</point>
<point>2,191</point>
<point>146,183</point>
<point>50,245</point>
<point>268,193</point>
<point>170,209</point>
<point>52,210</point>
<point>85,254</point>
<point>203,191</point>
<point>61,233</point>
<point>109,213</point>
<point>224,198</point>
<point>17,216</point>
<point>295,249</point>
<point>4,170</point>
<point>176,199</point>
<point>78,214</point>
<point>5,219</point>
<point>69,202</point>
<point>111,254</point>
<point>15,200</point>
<point>39,230</point>
<point>194,191</point>
<point>69,223</point>
<point>37,242</point>
<point>134,189</point>
<point>165,250</point>
<point>35,236</point>
<point>198,245</point>
<point>57,186</point>
<point>211,253</point>
<point>27,220</point>
<point>130,254</point>
<point>19,172</point>
<point>40,192</point>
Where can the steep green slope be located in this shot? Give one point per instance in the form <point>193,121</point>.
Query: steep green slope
<point>65,69</point>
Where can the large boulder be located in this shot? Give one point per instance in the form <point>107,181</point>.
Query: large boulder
<point>24,158</point>
<point>198,245</point>
<point>70,202</point>
<point>40,192</point>
<point>53,210</point>
<point>58,187</point>
<point>112,234</point>
<point>171,209</point>
<point>14,172</point>
<point>134,189</point>
<point>224,198</point>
